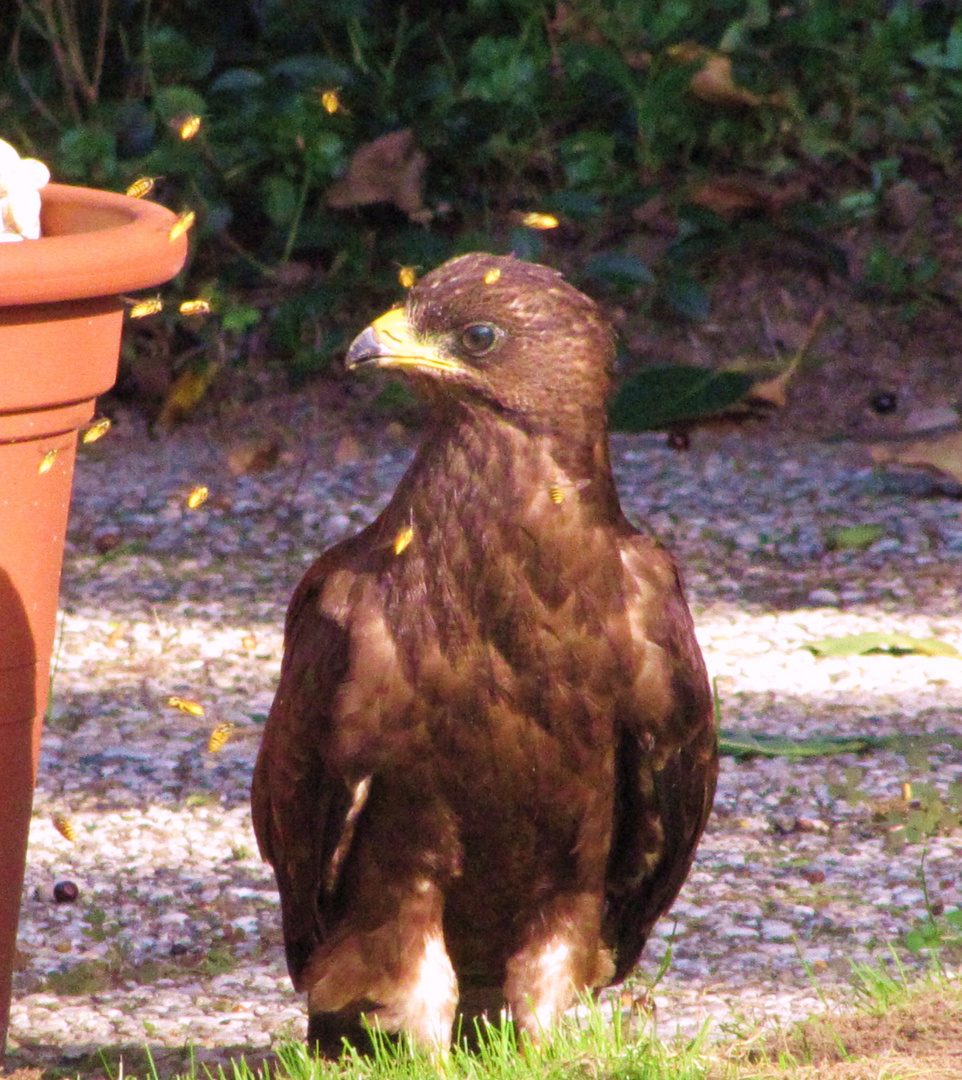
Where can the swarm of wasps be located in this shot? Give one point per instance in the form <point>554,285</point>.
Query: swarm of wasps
<point>187,127</point>
<point>220,734</point>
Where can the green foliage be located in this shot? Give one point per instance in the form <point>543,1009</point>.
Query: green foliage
<point>591,1045</point>
<point>924,810</point>
<point>936,933</point>
<point>586,109</point>
<point>880,641</point>
<point>853,537</point>
<point>656,397</point>
<point>939,933</point>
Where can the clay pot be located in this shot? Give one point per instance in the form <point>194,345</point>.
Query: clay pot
<point>60,323</point>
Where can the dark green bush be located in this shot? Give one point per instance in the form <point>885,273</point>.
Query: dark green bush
<point>585,109</point>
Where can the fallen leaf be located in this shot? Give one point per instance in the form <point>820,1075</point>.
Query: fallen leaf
<point>942,452</point>
<point>348,450</point>
<point>105,542</point>
<point>714,81</point>
<point>389,170</point>
<point>257,455</point>
<point>925,419</point>
<point>875,641</point>
<point>657,397</point>
<point>853,537</point>
<point>774,391</point>
<point>731,196</point>
<point>904,203</point>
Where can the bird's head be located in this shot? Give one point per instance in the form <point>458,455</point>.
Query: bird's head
<point>498,332</point>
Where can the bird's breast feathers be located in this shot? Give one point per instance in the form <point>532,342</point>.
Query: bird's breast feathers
<point>519,611</point>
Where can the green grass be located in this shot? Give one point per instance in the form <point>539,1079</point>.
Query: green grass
<point>863,1040</point>
<point>589,1047</point>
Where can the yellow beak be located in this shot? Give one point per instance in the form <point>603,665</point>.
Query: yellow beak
<point>390,342</point>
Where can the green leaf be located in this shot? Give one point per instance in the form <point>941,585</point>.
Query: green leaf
<point>311,69</point>
<point>87,153</point>
<point>324,153</point>
<point>745,744</point>
<point>916,941</point>
<point>237,80</point>
<point>501,71</point>
<point>587,158</point>
<point>947,57</point>
<point>526,244</point>
<point>240,318</point>
<point>175,102</point>
<point>687,297</point>
<point>577,205</point>
<point>619,270</point>
<point>280,199</point>
<point>875,641</point>
<point>174,57</point>
<point>657,397</point>
<point>853,537</point>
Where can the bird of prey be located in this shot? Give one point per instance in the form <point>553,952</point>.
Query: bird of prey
<point>492,750</point>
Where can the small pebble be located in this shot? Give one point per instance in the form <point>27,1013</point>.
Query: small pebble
<point>824,597</point>
<point>65,892</point>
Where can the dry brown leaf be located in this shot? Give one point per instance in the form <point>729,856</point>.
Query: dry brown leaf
<point>253,456</point>
<point>657,215</point>
<point>774,391</point>
<point>714,81</point>
<point>348,450</point>
<point>390,170</point>
<point>730,196</point>
<point>942,452</point>
<point>926,418</point>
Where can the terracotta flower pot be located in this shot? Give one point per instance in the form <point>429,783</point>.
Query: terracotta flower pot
<point>60,323</point>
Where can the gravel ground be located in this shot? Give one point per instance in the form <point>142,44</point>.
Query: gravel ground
<point>175,938</point>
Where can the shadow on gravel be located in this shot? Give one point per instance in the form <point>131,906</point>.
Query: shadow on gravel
<point>113,1061</point>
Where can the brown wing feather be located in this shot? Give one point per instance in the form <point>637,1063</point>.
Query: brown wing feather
<point>666,758</point>
<point>300,808</point>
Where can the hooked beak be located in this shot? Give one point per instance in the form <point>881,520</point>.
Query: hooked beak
<point>389,342</point>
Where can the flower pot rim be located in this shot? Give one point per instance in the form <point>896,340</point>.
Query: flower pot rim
<point>94,243</point>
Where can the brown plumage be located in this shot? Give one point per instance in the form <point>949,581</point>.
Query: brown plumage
<point>492,750</point>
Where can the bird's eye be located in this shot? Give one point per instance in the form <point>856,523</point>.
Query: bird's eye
<point>479,338</point>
